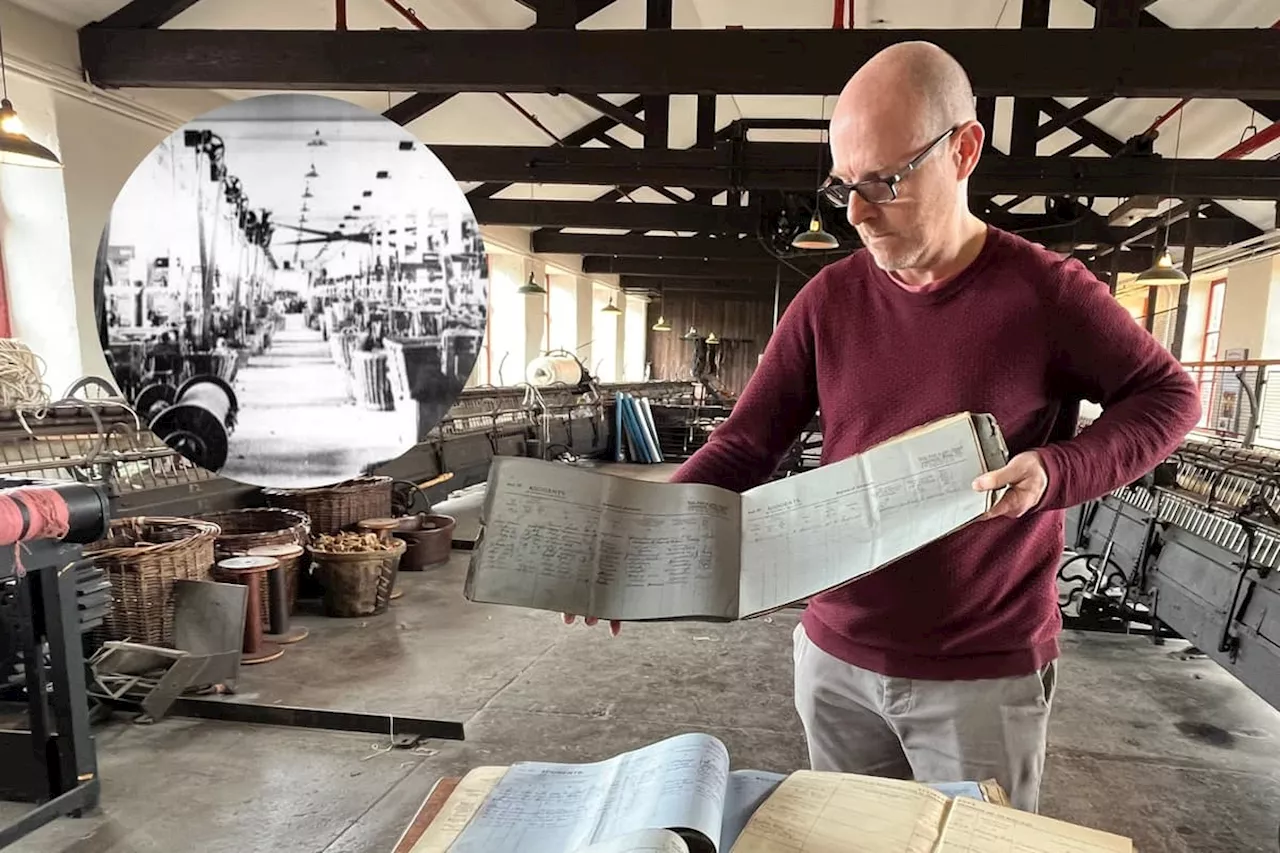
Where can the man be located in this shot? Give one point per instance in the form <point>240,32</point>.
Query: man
<point>942,667</point>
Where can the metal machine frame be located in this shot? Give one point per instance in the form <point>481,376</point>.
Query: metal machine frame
<point>1191,552</point>
<point>54,762</point>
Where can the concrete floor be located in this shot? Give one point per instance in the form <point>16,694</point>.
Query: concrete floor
<point>298,425</point>
<point>1146,742</point>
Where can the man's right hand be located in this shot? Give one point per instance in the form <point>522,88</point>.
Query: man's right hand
<point>614,626</point>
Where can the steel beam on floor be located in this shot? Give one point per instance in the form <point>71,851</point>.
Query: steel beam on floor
<point>230,711</point>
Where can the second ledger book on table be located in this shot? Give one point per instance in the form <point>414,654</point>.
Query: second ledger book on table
<point>575,540</point>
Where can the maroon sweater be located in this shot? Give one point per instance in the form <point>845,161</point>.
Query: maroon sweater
<point>1019,333</point>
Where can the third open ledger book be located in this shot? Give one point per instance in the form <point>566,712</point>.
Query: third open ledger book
<point>679,796</point>
<point>574,540</point>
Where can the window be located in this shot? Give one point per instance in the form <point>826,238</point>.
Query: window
<point>1207,377</point>
<point>1213,320</point>
<point>563,314</point>
<point>604,346</point>
<point>505,335</point>
<point>635,339</point>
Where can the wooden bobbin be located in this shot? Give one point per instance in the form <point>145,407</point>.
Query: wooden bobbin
<point>248,572</point>
<point>278,590</point>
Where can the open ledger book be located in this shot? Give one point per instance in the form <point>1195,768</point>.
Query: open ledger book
<point>567,539</point>
<point>674,796</point>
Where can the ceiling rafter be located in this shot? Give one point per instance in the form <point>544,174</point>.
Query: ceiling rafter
<point>551,13</point>
<point>1118,62</point>
<point>789,166</point>
<point>1270,109</point>
<point>146,14</point>
<point>1113,147</point>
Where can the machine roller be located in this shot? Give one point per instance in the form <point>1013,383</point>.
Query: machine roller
<point>199,423</point>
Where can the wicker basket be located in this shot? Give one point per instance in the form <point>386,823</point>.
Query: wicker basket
<point>337,507</point>
<point>246,529</point>
<point>359,583</point>
<point>142,556</point>
<point>243,529</point>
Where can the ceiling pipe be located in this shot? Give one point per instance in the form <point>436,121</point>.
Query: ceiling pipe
<point>1252,143</point>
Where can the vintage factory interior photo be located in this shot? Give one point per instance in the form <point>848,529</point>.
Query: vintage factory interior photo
<point>279,299</point>
<point>640,426</point>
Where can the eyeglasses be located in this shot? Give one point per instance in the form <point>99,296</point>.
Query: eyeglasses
<point>877,190</point>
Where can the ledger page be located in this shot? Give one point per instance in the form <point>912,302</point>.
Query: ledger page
<point>667,550</point>
<point>575,540</point>
<point>746,790</point>
<point>974,827</point>
<point>644,841</point>
<point>808,533</point>
<point>543,807</point>
<point>820,812</point>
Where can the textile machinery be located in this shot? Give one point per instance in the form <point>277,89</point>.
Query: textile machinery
<point>50,597</point>
<point>1189,550</point>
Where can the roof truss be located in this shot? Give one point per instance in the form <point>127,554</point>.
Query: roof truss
<point>1213,63</point>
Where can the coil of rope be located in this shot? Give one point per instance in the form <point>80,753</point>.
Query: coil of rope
<point>22,385</point>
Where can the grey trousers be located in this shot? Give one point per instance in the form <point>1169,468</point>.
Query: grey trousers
<point>858,721</point>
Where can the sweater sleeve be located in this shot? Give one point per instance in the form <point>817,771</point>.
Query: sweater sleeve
<point>778,401</point>
<point>1149,401</point>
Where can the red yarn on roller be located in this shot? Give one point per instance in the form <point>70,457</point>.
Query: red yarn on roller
<point>47,513</point>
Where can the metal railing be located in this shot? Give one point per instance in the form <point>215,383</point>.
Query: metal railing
<point>1239,402</point>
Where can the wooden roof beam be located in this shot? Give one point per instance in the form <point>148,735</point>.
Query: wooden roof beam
<point>1113,62</point>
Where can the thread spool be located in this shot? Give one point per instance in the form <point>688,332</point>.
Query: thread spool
<point>31,513</point>
<point>199,422</point>
<point>552,370</point>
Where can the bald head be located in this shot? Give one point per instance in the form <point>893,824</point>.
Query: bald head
<point>914,82</point>
<point>911,103</point>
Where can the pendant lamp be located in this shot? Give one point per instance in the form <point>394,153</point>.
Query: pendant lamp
<point>1162,273</point>
<point>611,308</point>
<point>531,287</point>
<point>662,325</point>
<point>816,237</point>
<point>16,148</point>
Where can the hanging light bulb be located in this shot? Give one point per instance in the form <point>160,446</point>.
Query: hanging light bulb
<point>18,149</point>
<point>1162,273</point>
<point>531,287</point>
<point>816,237</point>
<point>662,325</point>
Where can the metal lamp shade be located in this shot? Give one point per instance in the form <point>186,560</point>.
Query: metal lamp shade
<point>1162,274</point>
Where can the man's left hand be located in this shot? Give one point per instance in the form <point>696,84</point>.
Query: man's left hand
<point>1026,480</point>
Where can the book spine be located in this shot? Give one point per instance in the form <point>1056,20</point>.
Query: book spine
<point>653,428</point>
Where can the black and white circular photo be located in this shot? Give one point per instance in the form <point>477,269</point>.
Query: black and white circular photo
<point>293,290</point>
